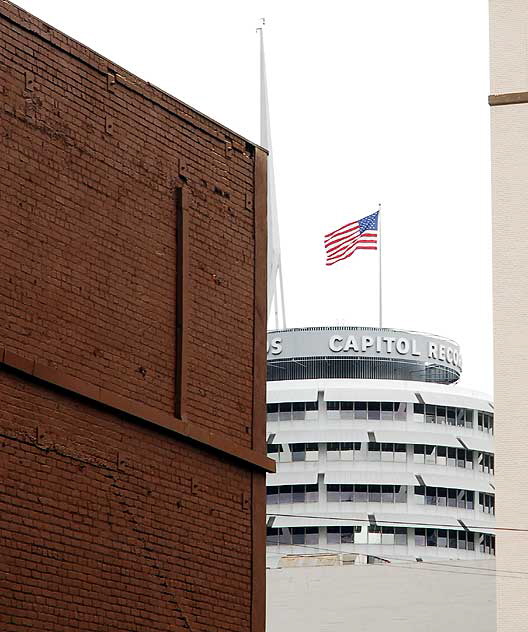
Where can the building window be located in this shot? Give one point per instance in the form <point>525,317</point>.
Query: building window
<point>464,417</point>
<point>419,537</point>
<point>341,535</point>
<point>419,409</point>
<point>285,411</point>
<point>374,451</point>
<point>430,454</point>
<point>272,536</point>
<point>272,495</point>
<point>487,543</point>
<point>486,462</point>
<point>400,536</point>
<point>387,494</point>
<point>430,414</point>
<point>440,414</point>
<point>272,412</point>
<point>487,503</point>
<point>374,493</point>
<point>360,410</point>
<point>419,453</point>
<point>485,422</point>
<point>374,410</point>
<point>387,411</point>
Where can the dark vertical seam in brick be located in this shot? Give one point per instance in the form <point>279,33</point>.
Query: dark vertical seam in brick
<point>180,301</point>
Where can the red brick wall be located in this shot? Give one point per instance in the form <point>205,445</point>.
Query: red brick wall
<point>107,522</point>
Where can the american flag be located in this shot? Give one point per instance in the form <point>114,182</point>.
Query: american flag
<point>360,235</point>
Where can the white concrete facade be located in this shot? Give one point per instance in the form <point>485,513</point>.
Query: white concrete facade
<point>509,127</point>
<point>386,468</point>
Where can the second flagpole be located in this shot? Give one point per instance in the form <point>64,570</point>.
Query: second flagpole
<point>380,285</point>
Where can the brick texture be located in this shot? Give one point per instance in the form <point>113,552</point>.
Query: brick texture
<point>91,169</point>
<point>108,524</point>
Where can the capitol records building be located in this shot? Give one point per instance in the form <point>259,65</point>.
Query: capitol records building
<point>380,454</point>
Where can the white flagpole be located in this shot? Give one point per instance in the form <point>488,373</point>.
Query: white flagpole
<point>281,283</point>
<point>380,284</point>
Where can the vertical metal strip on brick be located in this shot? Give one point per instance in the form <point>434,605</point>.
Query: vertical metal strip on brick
<point>258,598</point>
<point>182,300</point>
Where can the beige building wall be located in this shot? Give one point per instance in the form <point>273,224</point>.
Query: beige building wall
<point>509,123</point>
<point>455,596</point>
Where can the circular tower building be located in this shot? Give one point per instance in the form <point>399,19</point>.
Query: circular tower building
<point>379,452</point>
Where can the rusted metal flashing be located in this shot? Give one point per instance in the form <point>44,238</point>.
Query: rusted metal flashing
<point>511,98</point>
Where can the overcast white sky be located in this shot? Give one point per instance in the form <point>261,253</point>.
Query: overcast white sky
<point>379,101</point>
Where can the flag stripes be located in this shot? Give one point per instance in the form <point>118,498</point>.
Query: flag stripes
<point>344,241</point>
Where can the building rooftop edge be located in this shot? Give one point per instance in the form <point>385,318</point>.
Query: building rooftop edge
<point>71,46</point>
<point>361,328</point>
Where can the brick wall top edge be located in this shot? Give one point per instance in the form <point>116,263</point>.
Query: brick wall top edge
<point>70,46</point>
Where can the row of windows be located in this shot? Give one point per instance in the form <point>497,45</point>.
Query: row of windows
<point>297,452</point>
<point>443,497</point>
<point>355,493</point>
<point>367,493</point>
<point>389,452</point>
<point>440,455</point>
<point>440,538</point>
<point>288,408</point>
<point>449,415</point>
<point>336,535</point>
<point>447,538</point>
<point>293,535</point>
<point>286,494</point>
<point>383,411</point>
<point>347,451</point>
